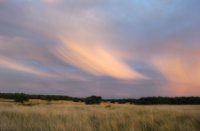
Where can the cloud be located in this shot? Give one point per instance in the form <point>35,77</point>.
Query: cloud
<point>51,1</point>
<point>14,65</point>
<point>179,69</point>
<point>95,60</point>
<point>182,73</point>
<point>179,89</point>
<point>103,39</point>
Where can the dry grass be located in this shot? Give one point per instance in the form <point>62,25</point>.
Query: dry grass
<point>68,116</point>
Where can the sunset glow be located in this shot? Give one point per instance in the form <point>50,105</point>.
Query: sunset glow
<point>111,48</point>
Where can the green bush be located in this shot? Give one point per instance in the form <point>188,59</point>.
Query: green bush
<point>21,98</point>
<point>93,100</point>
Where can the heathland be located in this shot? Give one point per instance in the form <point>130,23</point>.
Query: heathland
<point>41,115</point>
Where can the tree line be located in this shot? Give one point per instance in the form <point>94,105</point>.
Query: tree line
<point>21,97</point>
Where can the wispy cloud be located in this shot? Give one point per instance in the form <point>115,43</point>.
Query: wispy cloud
<point>95,60</point>
<point>179,69</point>
<point>182,73</point>
<point>14,65</point>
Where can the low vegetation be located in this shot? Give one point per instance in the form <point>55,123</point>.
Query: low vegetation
<point>20,97</point>
<point>23,112</point>
<point>93,100</point>
<point>76,116</point>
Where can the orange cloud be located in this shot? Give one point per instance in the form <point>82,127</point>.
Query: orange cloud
<point>179,89</point>
<point>177,69</point>
<point>11,64</point>
<point>95,60</point>
<point>182,72</point>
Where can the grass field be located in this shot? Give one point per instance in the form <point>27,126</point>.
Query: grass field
<point>69,116</point>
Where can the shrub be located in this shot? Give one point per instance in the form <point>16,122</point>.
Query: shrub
<point>21,98</point>
<point>93,100</point>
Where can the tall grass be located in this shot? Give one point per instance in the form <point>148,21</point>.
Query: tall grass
<point>113,117</point>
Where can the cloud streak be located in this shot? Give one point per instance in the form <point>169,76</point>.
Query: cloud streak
<point>181,69</point>
<point>13,65</point>
<point>95,60</point>
<point>182,72</point>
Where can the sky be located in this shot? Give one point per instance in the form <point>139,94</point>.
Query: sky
<point>111,48</point>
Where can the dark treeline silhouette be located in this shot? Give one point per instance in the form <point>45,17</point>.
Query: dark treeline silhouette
<point>21,97</point>
<point>168,100</point>
<point>121,101</point>
<point>41,97</point>
<point>159,100</point>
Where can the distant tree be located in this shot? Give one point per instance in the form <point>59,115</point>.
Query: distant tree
<point>93,100</point>
<point>21,98</point>
<point>76,100</point>
<point>49,98</point>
